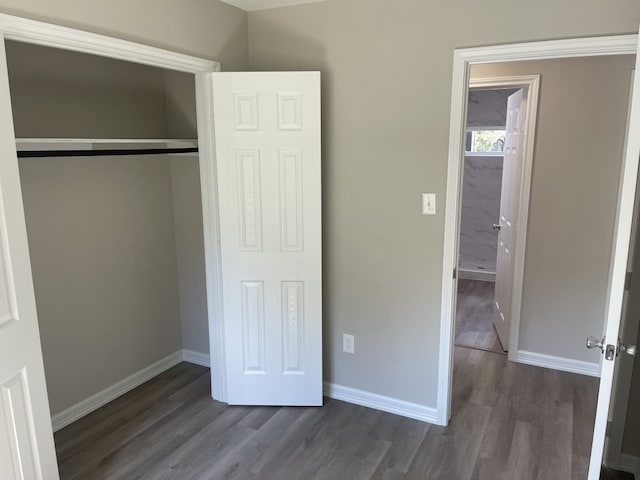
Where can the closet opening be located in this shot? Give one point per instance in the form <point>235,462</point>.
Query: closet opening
<point>110,177</point>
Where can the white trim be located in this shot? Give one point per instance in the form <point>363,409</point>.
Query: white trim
<point>337,392</point>
<point>480,275</point>
<point>467,153</point>
<point>462,59</point>
<point>196,358</point>
<point>557,363</point>
<point>254,5</point>
<point>85,407</point>
<point>211,230</point>
<point>628,463</point>
<point>380,402</point>
<point>34,144</point>
<point>55,36</point>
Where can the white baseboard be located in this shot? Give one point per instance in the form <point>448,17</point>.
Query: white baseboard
<point>477,275</point>
<point>629,463</point>
<point>337,392</point>
<point>558,363</point>
<point>196,357</point>
<point>380,402</point>
<point>85,407</point>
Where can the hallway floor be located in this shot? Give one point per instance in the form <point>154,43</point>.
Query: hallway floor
<point>474,316</point>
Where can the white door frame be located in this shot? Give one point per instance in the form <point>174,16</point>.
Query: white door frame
<point>30,31</point>
<point>532,85</point>
<point>462,59</point>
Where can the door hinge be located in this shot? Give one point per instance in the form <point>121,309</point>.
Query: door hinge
<point>607,432</point>
<point>627,281</point>
<point>455,273</point>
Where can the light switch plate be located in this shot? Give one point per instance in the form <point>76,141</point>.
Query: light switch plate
<point>428,203</point>
<point>348,343</point>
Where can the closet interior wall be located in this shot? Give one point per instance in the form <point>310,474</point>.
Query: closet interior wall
<point>116,243</point>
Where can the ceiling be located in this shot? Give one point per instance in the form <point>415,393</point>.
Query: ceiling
<point>252,5</point>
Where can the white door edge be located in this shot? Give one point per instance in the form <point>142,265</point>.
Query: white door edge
<point>211,230</point>
<point>617,273</point>
<point>462,59</point>
<point>622,376</point>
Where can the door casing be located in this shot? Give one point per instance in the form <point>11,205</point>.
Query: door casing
<point>554,49</point>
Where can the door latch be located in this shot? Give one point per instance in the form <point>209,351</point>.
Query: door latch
<point>608,350</point>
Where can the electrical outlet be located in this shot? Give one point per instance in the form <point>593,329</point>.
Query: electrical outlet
<point>348,343</point>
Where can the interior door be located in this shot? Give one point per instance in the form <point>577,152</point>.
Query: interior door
<point>630,318</point>
<point>620,253</point>
<point>27,450</point>
<point>508,224</point>
<point>268,157</point>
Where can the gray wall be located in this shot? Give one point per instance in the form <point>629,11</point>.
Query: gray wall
<point>180,97</point>
<point>386,70</point>
<point>187,208</point>
<point>386,88</point>
<point>62,93</point>
<point>578,151</point>
<point>481,188</point>
<point>205,28</point>
<point>101,239</point>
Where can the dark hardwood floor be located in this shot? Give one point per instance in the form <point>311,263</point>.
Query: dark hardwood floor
<point>474,316</point>
<point>510,422</point>
<point>611,474</point>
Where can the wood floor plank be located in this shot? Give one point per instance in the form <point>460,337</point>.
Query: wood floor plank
<point>79,465</point>
<point>404,436</point>
<point>109,418</point>
<point>445,452</point>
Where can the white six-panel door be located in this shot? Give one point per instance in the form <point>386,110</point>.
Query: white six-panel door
<point>617,273</point>
<point>268,157</point>
<point>26,439</point>
<point>512,167</point>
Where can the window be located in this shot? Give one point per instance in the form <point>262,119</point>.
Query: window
<point>485,140</point>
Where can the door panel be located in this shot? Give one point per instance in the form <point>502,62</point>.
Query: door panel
<point>620,254</point>
<point>26,439</point>
<point>268,155</point>
<point>511,170</point>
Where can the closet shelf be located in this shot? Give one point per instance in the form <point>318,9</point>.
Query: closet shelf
<point>59,147</point>
<point>87,143</point>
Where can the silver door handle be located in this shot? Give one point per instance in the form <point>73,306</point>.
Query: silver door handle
<point>628,349</point>
<point>593,342</point>
<point>496,226</point>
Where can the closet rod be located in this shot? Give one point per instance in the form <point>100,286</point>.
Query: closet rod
<point>104,152</point>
